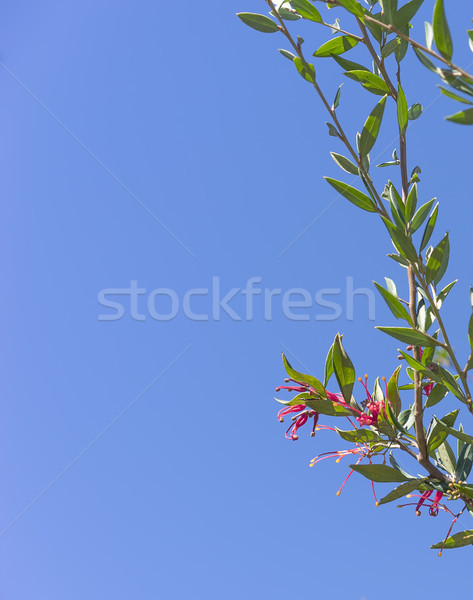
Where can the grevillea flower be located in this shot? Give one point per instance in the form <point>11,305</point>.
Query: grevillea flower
<point>434,506</point>
<point>301,418</point>
<point>372,406</point>
<point>361,450</point>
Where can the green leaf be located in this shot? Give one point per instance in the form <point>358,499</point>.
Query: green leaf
<point>307,10</point>
<point>349,65</point>
<point>302,377</point>
<point>287,54</point>
<point>327,407</point>
<point>465,462</point>
<point>353,195</point>
<point>464,538</point>
<point>353,7</point>
<point>406,13</point>
<point>447,457</point>
<point>390,47</point>
<point>403,490</point>
<point>328,366</point>
<point>369,81</point>
<point>389,9</point>
<point>286,14</point>
<point>393,392</point>
<point>429,228</point>
<point>443,39</point>
<point>470,332</point>
<point>411,202</point>
<point>450,382</point>
<point>465,117</point>
<point>306,70</point>
<point>391,163</point>
<point>336,101</point>
<point>425,60</point>
<point>332,130</point>
<point>415,111</point>
<point>366,436</point>
<point>259,22</point>
<point>395,305</point>
<point>438,261</point>
<point>344,163</point>
<point>336,46</point>
<point>439,432</point>
<point>421,215</point>
<point>371,128</point>
<point>402,117</point>
<point>453,96</point>
<point>410,336</point>
<point>380,473</point>
<point>343,369</point>
<point>429,35</point>
<point>461,435</point>
<point>437,394</point>
<point>418,366</point>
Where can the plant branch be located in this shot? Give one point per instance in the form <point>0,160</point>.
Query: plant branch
<point>419,46</point>
<point>343,137</point>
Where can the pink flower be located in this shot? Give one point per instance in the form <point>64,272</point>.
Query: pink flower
<point>299,419</point>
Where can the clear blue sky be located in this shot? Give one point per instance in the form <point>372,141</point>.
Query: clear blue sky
<point>111,111</point>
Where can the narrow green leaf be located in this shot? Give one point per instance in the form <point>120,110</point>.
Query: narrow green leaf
<point>336,101</point>
<point>470,332</point>
<point>395,305</point>
<point>390,47</point>
<point>464,538</point>
<point>259,22</point>
<point>344,163</point>
<point>343,369</point>
<point>369,81</point>
<point>306,70</point>
<point>302,377</point>
<point>389,9</point>
<point>328,366</point>
<point>411,202</point>
<point>371,128</point>
<point>443,39</point>
<point>402,116</point>
<point>393,392</point>
<point>326,407</point>
<point>287,54</point>
<point>429,35</point>
<point>366,436</point>
<point>461,435</point>
<point>353,7</point>
<point>437,394</point>
<point>336,46</point>
<point>307,10</point>
<point>410,336</point>
<point>425,60</point>
<point>465,462</point>
<point>421,215</point>
<point>429,228</point>
<point>453,96</point>
<point>406,13</point>
<point>465,117</point>
<point>441,429</point>
<point>353,195</point>
<point>447,457</point>
<point>403,490</point>
<point>349,65</point>
<point>380,473</point>
<point>438,261</point>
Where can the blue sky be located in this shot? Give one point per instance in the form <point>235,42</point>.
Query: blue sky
<point>142,458</point>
